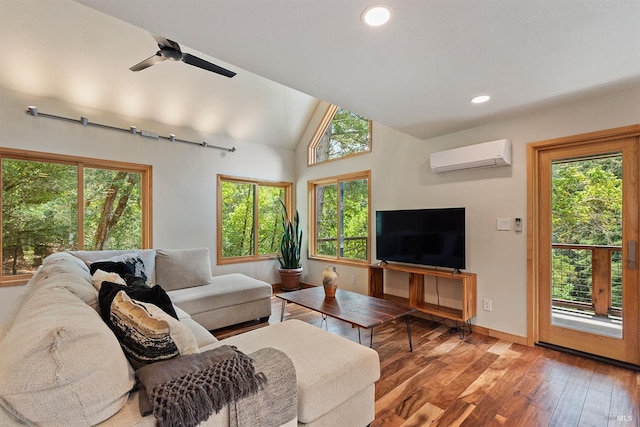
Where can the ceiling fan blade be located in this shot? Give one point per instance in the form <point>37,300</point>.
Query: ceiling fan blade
<point>205,65</point>
<point>147,62</point>
<point>163,41</point>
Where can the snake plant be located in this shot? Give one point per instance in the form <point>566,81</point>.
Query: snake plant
<point>289,256</point>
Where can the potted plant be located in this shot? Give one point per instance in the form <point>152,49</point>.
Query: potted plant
<point>289,256</point>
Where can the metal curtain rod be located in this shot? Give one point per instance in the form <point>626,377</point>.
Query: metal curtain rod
<point>33,111</point>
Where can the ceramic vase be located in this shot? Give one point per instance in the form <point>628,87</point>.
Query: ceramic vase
<point>330,281</point>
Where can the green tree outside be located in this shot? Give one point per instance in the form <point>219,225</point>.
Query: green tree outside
<point>586,210</point>
<point>348,133</point>
<point>238,222</point>
<point>40,211</point>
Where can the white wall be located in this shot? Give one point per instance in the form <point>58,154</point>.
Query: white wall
<point>184,211</point>
<point>401,178</point>
<point>184,176</point>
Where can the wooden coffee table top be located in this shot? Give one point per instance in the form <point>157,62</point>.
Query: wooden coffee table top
<point>360,310</point>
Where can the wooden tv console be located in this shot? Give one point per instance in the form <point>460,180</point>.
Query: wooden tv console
<point>416,290</point>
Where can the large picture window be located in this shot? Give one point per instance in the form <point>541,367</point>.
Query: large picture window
<point>52,203</point>
<point>250,218</point>
<point>339,217</point>
<point>341,133</point>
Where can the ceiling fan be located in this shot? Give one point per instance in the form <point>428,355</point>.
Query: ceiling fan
<point>171,50</point>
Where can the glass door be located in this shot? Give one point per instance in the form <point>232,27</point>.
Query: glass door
<point>587,233</point>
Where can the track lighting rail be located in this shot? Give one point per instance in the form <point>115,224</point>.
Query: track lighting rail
<point>33,111</point>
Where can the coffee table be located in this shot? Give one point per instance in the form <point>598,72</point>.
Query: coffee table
<point>360,310</point>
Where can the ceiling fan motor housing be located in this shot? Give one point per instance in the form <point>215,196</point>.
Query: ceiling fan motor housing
<point>167,52</point>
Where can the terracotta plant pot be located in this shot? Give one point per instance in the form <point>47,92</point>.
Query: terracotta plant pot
<point>290,279</point>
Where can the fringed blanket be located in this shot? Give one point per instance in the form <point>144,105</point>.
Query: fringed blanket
<point>186,390</point>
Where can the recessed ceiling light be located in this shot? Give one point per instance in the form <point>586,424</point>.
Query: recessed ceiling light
<point>480,99</point>
<point>376,16</point>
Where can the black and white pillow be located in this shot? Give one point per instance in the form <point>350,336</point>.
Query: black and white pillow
<point>146,333</point>
<point>123,265</point>
<point>156,296</point>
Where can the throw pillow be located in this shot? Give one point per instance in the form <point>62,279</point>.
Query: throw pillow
<point>136,267</point>
<point>120,268</point>
<point>146,333</point>
<point>102,276</point>
<point>122,264</point>
<point>156,296</point>
<point>148,257</point>
<point>136,282</point>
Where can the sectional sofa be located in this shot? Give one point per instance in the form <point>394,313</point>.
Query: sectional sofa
<point>186,274</point>
<point>61,364</point>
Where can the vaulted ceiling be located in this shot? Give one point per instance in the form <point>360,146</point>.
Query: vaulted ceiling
<point>415,74</point>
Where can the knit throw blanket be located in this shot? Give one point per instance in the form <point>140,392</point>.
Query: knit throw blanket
<point>186,390</point>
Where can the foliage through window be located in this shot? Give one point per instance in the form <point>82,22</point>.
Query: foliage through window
<point>54,203</point>
<point>586,210</point>
<point>341,133</point>
<point>248,208</point>
<point>340,217</point>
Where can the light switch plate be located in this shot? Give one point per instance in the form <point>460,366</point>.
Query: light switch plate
<point>504,224</point>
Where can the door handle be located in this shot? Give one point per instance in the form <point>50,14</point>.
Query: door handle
<point>632,254</point>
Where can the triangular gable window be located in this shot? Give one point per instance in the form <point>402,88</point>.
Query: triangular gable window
<point>341,133</point>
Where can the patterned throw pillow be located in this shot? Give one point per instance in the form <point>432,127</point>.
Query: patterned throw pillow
<point>156,296</point>
<point>146,333</point>
<point>136,267</point>
<point>118,267</point>
<point>123,265</point>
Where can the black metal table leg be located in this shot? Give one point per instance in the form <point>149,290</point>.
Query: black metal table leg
<point>406,318</point>
<point>282,310</point>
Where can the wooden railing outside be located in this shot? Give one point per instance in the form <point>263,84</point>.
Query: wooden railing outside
<point>588,283</point>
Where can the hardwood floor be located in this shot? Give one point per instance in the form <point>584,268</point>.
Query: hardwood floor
<point>480,380</point>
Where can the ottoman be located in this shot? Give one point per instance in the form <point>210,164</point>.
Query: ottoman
<point>336,377</point>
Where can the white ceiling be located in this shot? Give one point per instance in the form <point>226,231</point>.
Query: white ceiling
<point>69,52</point>
<point>416,74</point>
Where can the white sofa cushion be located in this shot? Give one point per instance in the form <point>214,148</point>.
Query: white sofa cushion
<point>223,291</point>
<point>182,268</point>
<point>59,343</point>
<point>331,369</point>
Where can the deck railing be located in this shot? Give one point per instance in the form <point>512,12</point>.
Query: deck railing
<point>587,278</point>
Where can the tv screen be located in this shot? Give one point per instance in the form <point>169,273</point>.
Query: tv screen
<point>434,237</point>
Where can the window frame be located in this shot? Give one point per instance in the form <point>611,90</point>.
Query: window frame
<point>145,171</point>
<point>311,196</point>
<point>288,202</point>
<point>327,118</point>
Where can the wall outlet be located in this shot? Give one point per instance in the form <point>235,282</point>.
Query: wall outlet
<point>353,279</point>
<point>488,305</point>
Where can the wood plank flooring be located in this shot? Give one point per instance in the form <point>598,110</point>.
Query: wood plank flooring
<point>480,380</point>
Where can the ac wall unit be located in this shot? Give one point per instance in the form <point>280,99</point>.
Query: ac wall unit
<point>484,155</point>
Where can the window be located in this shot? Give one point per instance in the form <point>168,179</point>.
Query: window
<point>53,203</point>
<point>341,133</point>
<point>248,208</point>
<point>339,215</point>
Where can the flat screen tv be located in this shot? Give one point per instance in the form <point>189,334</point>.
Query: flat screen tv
<point>433,237</point>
